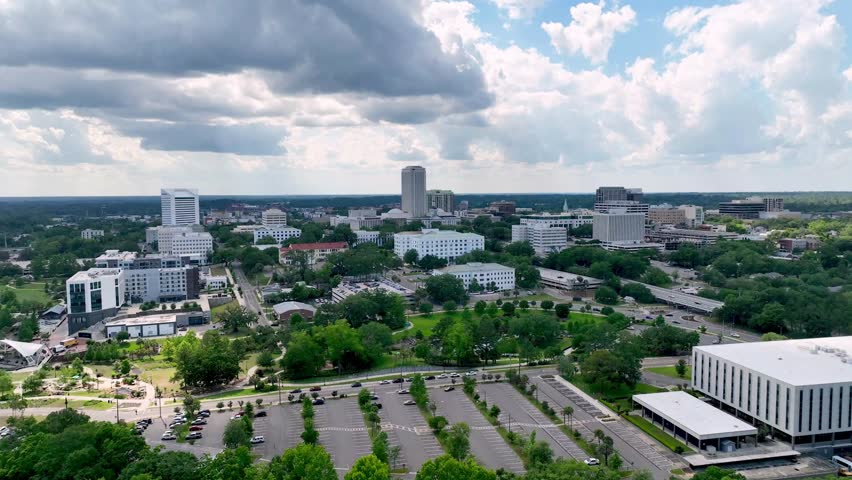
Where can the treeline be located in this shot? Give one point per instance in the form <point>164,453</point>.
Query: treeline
<point>346,348</point>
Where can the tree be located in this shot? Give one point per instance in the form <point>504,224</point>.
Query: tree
<point>381,447</point>
<point>265,359</point>
<point>562,310</point>
<point>508,308</point>
<point>162,465</point>
<point>546,305</point>
<point>606,295</point>
<point>191,405</point>
<point>303,462</point>
<point>369,467</point>
<point>716,473</point>
<point>122,336</point>
<point>446,467</point>
<point>230,464</point>
<point>425,308</point>
<point>680,368</point>
<point>538,452</point>
<point>450,306</point>
<point>7,387</point>
<point>236,435</point>
<point>431,262</point>
<point>655,276</point>
<point>235,317</point>
<point>526,276</point>
<point>376,339</point>
<point>410,257</point>
<point>480,307</point>
<point>214,360</point>
<point>304,357</point>
<point>567,411</point>
<point>32,384</point>
<point>615,462</point>
<point>418,390</point>
<point>442,288</point>
<point>458,441</point>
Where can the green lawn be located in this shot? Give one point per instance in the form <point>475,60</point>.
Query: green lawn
<point>217,270</point>
<point>670,371</point>
<point>217,310</point>
<point>423,323</point>
<point>667,440</point>
<point>32,292</point>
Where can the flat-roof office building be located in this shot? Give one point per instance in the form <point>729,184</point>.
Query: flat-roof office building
<point>800,389</point>
<point>179,206</point>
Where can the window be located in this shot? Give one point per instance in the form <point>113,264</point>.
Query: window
<point>787,416</point>
<point>801,401</point>
<point>819,420</point>
<point>757,404</point>
<point>811,410</point>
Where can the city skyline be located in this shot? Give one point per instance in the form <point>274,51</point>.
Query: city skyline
<point>521,96</point>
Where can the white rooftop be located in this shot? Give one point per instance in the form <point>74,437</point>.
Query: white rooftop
<point>474,267</point>
<point>144,320</point>
<point>696,417</point>
<point>435,233</point>
<point>93,274</point>
<point>814,361</point>
<point>26,349</point>
<point>116,255</point>
<point>560,276</point>
<point>180,192</point>
<point>284,307</point>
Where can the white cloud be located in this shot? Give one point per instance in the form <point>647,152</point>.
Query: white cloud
<point>592,30</point>
<point>519,9</point>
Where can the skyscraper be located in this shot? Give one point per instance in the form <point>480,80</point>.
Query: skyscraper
<point>414,191</point>
<point>443,199</point>
<point>179,206</point>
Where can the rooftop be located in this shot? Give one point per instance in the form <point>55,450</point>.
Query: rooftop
<point>180,192</point>
<point>93,274</point>
<point>557,275</point>
<point>116,255</point>
<point>815,361</point>
<point>697,233</point>
<point>475,267</point>
<point>699,419</point>
<point>144,320</point>
<point>284,307</point>
<point>314,246</point>
<point>434,233</point>
<point>350,288</point>
<point>26,349</point>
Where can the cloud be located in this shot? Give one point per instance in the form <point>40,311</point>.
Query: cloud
<point>519,9</point>
<point>246,139</point>
<point>592,30</point>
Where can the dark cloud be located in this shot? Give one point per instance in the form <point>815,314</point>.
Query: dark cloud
<point>327,46</point>
<point>238,139</point>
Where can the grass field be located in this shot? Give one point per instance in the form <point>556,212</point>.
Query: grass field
<point>31,292</point>
<point>667,440</point>
<point>670,371</point>
<point>217,270</point>
<point>217,310</point>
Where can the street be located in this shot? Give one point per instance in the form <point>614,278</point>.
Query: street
<point>249,293</point>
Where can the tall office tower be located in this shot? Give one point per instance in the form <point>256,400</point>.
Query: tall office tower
<point>179,206</point>
<point>414,191</point>
<point>619,226</point>
<point>443,199</point>
<point>607,198</point>
<point>274,218</point>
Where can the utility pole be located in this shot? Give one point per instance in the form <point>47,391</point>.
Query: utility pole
<point>116,410</point>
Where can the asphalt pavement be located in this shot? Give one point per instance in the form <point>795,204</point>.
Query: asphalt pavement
<point>485,443</point>
<point>342,431</point>
<point>407,428</point>
<point>249,293</point>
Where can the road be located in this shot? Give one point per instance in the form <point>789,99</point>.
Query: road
<point>686,300</point>
<point>249,293</point>
<point>407,428</point>
<point>517,412</point>
<point>485,443</point>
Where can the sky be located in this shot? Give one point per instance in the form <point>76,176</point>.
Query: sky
<point>286,97</point>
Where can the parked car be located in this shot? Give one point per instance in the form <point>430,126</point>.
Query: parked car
<point>443,375</point>
<point>204,413</point>
<point>295,391</point>
<point>193,436</point>
<point>319,401</point>
<point>398,380</point>
<point>377,405</point>
<point>402,391</point>
<point>592,461</point>
<point>196,428</point>
<point>168,436</point>
<point>356,385</point>
<point>409,402</point>
<point>373,396</point>
<point>455,375</point>
<point>450,388</point>
<point>316,389</point>
<point>237,416</point>
<point>199,421</point>
<point>257,439</point>
<point>261,413</point>
<point>735,335</point>
<point>430,377</point>
<point>384,382</point>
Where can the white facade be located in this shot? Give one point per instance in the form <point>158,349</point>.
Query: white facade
<point>195,245</point>
<point>694,215</point>
<point>414,191</point>
<point>799,387</point>
<point>544,239</point>
<point>446,244</point>
<point>273,218</point>
<point>367,236</point>
<point>279,234</point>
<point>94,290</point>
<point>89,234</point>
<point>565,220</point>
<point>619,227</point>
<point>179,206</point>
<point>491,276</point>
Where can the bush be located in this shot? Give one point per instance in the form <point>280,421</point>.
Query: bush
<point>562,310</point>
<point>437,424</point>
<point>607,310</point>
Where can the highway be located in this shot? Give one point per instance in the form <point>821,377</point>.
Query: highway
<point>685,300</point>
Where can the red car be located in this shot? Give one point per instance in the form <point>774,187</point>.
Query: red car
<point>196,428</point>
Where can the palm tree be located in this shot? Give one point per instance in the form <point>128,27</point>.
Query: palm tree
<point>599,435</point>
<point>567,411</point>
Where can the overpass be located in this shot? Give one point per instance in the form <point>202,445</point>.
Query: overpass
<point>684,300</point>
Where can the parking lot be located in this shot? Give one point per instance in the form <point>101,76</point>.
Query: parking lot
<point>526,418</point>
<point>342,432</point>
<point>485,443</point>
<point>407,428</point>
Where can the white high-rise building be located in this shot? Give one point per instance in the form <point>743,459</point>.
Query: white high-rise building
<point>446,244</point>
<point>179,206</point>
<point>414,191</point>
<point>543,238</point>
<point>274,218</point>
<point>618,226</point>
<point>93,295</point>
<point>694,215</point>
<point>280,234</point>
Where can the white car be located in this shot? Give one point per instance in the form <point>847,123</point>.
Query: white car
<point>384,382</point>
<point>168,436</point>
<point>409,402</point>
<point>443,375</point>
<point>455,375</point>
<point>592,461</point>
<point>402,391</point>
<point>257,439</point>
<point>735,335</point>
